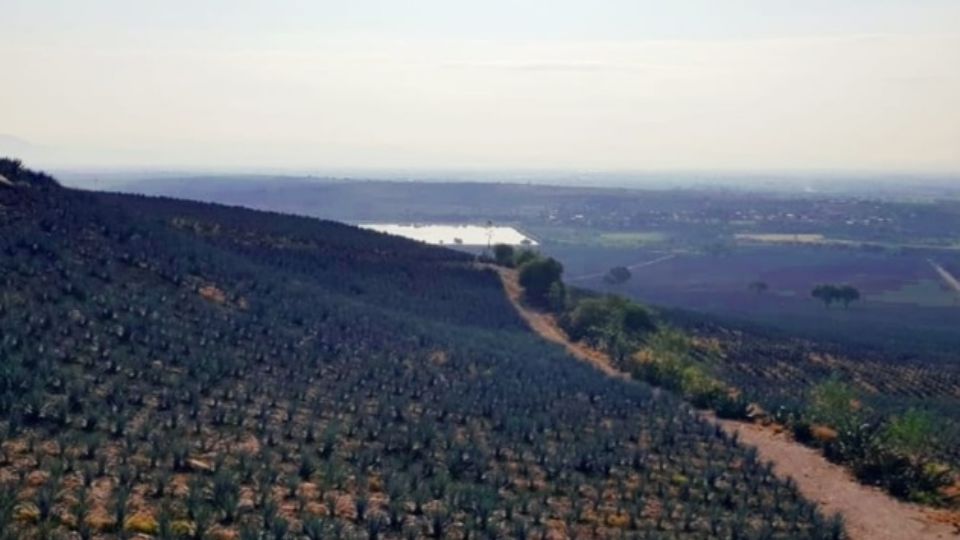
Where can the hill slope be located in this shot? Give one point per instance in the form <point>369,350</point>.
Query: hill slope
<point>190,370</point>
<point>868,512</point>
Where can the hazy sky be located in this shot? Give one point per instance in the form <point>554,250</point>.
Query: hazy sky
<point>554,84</point>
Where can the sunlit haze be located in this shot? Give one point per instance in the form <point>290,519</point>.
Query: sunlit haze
<point>605,85</point>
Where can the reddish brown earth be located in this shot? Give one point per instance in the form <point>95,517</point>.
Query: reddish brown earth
<point>869,513</point>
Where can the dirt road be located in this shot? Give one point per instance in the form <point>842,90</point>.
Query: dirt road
<point>946,276</point>
<point>869,513</point>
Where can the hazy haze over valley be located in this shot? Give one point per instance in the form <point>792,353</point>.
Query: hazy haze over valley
<point>432,85</point>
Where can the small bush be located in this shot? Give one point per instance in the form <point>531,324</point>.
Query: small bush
<point>833,403</point>
<point>912,433</point>
<point>503,255</point>
<point>537,276</point>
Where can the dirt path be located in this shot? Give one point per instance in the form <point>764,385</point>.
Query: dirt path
<point>869,513</point>
<point>545,325</point>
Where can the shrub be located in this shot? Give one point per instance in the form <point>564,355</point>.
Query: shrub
<point>524,256</point>
<point>666,361</point>
<point>731,407</point>
<point>834,403</point>
<point>503,255</point>
<point>557,297</point>
<point>537,276</point>
<point>902,476</point>
<point>610,322</point>
<point>913,433</point>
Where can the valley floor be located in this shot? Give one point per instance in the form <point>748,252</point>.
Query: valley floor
<point>869,513</point>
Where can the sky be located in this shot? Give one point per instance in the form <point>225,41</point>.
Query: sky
<point>604,85</point>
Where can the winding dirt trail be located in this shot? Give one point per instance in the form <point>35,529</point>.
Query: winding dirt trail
<point>546,326</point>
<point>869,513</point>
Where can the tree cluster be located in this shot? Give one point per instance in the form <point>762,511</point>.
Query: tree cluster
<point>830,294</point>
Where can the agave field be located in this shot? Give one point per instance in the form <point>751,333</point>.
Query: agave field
<point>779,373</point>
<point>894,419</point>
<point>185,370</point>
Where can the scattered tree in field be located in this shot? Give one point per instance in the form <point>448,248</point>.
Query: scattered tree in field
<point>617,275</point>
<point>758,287</point>
<point>824,293</point>
<point>848,295</point>
<point>828,294</point>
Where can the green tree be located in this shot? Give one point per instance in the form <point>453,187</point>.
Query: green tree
<point>617,275</point>
<point>847,295</point>
<point>537,276</point>
<point>557,297</point>
<point>611,322</point>
<point>504,254</point>
<point>758,287</point>
<point>523,256</point>
<point>828,294</point>
<point>586,319</point>
<point>637,319</point>
<point>825,293</point>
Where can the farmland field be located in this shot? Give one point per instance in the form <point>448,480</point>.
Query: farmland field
<point>904,299</point>
<point>924,292</point>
